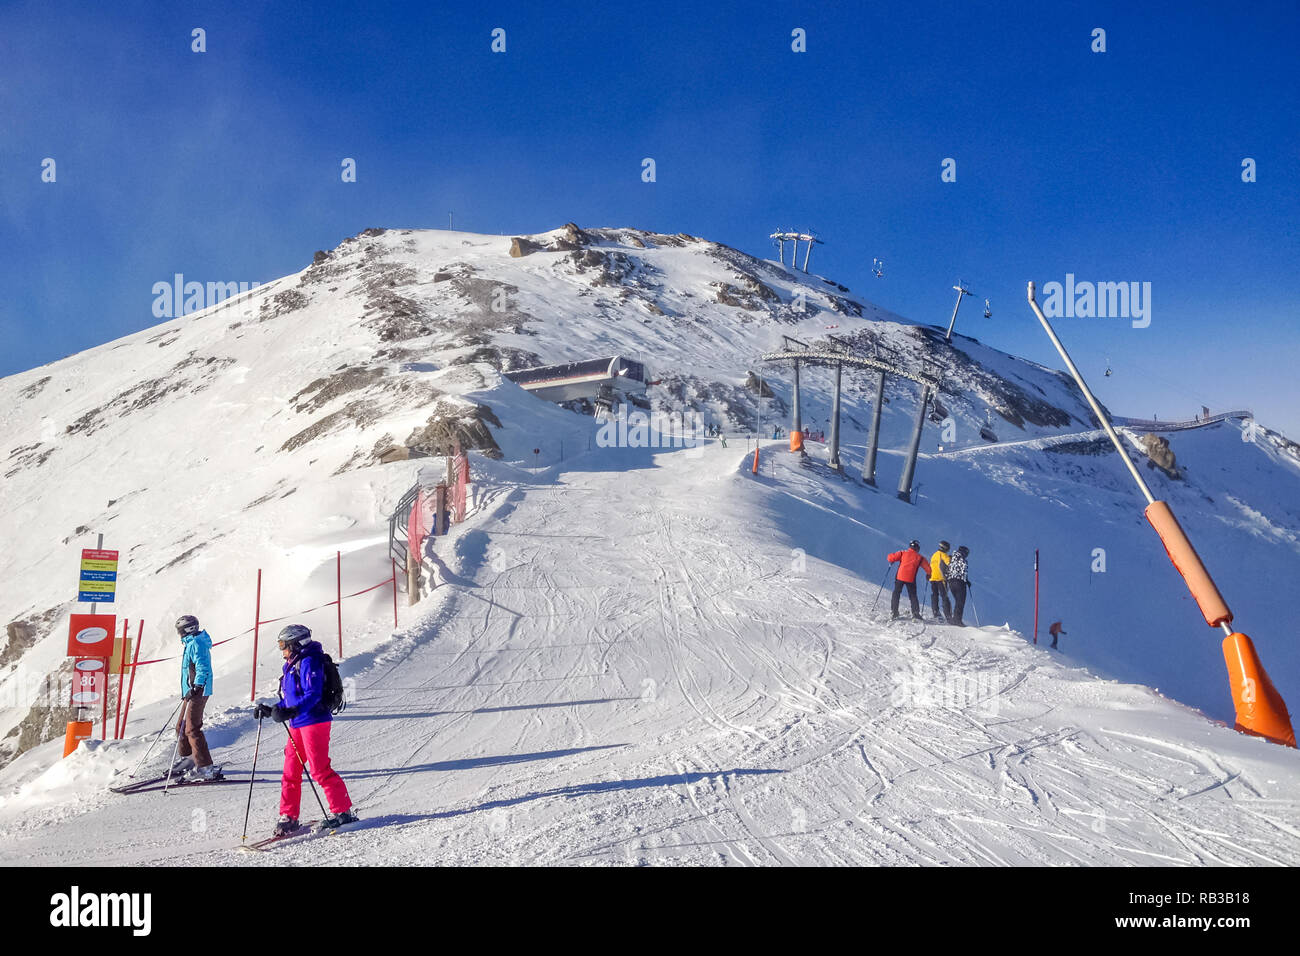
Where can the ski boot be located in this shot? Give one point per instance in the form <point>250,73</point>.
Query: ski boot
<point>286,826</point>
<point>338,820</point>
<point>203,774</point>
<point>182,766</point>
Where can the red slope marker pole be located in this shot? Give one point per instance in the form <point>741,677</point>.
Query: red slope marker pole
<point>130,685</point>
<point>103,717</point>
<point>393,561</point>
<point>1035,595</point>
<point>257,622</point>
<point>121,673</point>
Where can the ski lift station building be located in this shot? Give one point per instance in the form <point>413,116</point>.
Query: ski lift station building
<point>589,379</point>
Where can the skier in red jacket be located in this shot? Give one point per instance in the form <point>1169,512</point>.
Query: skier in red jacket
<point>908,562</point>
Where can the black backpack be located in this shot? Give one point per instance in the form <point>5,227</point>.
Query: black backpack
<point>333,697</point>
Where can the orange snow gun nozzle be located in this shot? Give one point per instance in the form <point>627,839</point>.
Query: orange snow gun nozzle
<point>1260,708</point>
<point>796,441</point>
<point>1188,563</point>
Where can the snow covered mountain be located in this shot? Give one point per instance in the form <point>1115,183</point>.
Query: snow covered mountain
<point>660,634</point>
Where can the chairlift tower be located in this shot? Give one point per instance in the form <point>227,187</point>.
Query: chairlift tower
<point>783,236</point>
<point>961,291</point>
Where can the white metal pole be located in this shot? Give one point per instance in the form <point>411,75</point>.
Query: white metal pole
<point>1096,408</point>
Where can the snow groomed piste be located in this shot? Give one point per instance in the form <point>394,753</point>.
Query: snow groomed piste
<point>658,654</point>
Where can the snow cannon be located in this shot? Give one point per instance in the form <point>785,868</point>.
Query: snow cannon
<point>1260,709</point>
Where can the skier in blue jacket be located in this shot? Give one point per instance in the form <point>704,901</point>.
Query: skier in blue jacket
<point>196,687</point>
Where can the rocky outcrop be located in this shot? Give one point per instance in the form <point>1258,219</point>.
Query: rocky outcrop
<point>1160,455</point>
<point>456,424</point>
<point>322,391</point>
<point>500,357</point>
<point>521,246</point>
<point>756,384</point>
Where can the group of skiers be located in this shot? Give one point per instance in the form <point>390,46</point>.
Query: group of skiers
<point>301,706</point>
<point>948,575</point>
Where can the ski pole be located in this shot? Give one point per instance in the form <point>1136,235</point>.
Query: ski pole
<point>881,589</point>
<point>251,777</point>
<point>176,746</point>
<point>971,591</point>
<point>303,764</point>
<point>131,775</point>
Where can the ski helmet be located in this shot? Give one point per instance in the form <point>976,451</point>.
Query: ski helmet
<point>294,634</point>
<point>187,624</point>
<point>943,546</point>
<point>914,545</point>
<point>963,550</point>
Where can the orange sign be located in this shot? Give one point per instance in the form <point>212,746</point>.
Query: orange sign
<point>91,635</point>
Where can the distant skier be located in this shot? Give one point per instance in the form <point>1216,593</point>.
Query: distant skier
<point>939,583</point>
<point>302,688</point>
<point>196,687</point>
<point>959,583</point>
<point>1055,631</point>
<point>908,562</point>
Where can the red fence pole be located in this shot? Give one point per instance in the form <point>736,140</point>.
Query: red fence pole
<point>393,562</point>
<point>130,685</point>
<point>257,622</point>
<point>103,717</point>
<point>121,671</point>
<point>1035,595</point>
<point>338,578</point>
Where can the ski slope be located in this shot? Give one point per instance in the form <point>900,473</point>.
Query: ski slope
<point>630,662</point>
<point>636,655</point>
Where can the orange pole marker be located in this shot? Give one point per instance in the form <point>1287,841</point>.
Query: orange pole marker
<point>755,469</point>
<point>1260,708</point>
<point>1184,557</point>
<point>77,731</point>
<point>796,440</point>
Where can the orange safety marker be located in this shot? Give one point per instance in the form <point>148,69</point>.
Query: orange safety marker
<point>796,440</point>
<point>1260,708</point>
<point>78,730</point>
<point>755,469</point>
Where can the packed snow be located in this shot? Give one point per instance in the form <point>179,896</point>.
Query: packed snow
<point>637,655</point>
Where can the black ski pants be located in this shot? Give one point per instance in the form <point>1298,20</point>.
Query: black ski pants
<point>911,594</point>
<point>940,589</point>
<point>958,600</point>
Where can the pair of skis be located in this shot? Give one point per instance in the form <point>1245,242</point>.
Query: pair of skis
<point>160,783</point>
<point>305,832</point>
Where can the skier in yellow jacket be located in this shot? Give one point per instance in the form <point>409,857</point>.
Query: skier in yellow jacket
<point>939,583</point>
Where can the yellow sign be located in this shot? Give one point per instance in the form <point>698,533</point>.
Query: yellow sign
<point>92,565</point>
<point>99,587</point>
<point>121,656</point>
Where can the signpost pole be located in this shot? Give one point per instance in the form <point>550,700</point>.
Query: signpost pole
<point>103,704</point>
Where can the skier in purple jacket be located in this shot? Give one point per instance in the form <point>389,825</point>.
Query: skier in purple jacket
<point>302,688</point>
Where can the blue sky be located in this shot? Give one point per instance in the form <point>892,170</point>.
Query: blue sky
<point>1115,166</point>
